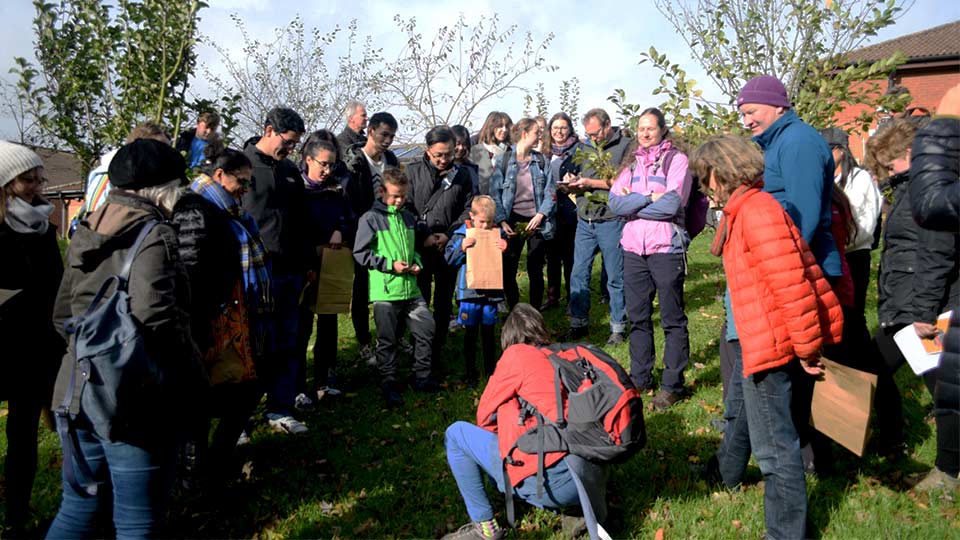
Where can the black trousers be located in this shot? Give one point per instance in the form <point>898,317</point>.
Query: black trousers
<point>859,263</point>
<point>488,344</point>
<point>536,257</point>
<point>442,279</point>
<point>560,260</point>
<point>324,348</point>
<point>360,306</point>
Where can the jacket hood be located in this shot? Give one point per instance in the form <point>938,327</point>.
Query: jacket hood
<point>252,141</point>
<point>113,226</point>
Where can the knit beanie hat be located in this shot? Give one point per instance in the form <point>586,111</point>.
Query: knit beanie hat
<point>145,163</point>
<point>765,90</point>
<point>835,137</point>
<point>15,160</point>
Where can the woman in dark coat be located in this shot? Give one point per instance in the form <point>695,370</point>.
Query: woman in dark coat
<point>32,265</point>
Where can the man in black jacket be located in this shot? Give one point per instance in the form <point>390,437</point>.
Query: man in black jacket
<point>356,115</point>
<point>365,162</point>
<point>935,200</point>
<point>440,193</point>
<point>275,200</point>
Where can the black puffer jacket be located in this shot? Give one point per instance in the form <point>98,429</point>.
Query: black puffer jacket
<point>210,253</point>
<point>159,300</point>
<point>918,268</point>
<point>275,200</point>
<point>361,187</point>
<point>441,204</point>
<point>32,349</point>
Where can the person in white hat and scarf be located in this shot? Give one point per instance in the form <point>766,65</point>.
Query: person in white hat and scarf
<point>32,349</point>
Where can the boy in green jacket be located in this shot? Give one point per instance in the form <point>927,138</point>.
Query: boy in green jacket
<point>385,246</point>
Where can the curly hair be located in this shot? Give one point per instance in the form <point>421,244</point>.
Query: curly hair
<point>890,142</point>
<point>732,160</point>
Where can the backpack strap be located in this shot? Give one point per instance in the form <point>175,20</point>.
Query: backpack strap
<point>132,252</point>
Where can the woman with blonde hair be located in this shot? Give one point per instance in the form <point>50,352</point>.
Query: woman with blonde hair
<point>783,309</point>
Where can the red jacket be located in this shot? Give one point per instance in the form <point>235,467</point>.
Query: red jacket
<point>783,307</point>
<point>523,369</point>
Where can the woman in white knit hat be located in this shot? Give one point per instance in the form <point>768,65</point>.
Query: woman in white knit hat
<point>31,348</point>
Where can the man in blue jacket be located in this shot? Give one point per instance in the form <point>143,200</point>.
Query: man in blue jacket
<point>798,172</point>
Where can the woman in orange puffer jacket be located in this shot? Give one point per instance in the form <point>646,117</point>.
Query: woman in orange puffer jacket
<point>782,308</point>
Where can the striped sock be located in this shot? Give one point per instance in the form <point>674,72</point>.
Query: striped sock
<point>489,528</point>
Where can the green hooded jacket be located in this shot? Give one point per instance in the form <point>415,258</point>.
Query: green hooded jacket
<point>385,235</point>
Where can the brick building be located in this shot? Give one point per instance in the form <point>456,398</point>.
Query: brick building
<point>932,67</point>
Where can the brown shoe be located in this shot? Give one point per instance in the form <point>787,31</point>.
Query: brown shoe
<point>664,400</point>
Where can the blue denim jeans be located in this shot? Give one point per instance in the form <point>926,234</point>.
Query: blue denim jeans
<point>602,237</point>
<point>141,482</point>
<point>757,410</point>
<point>472,451</point>
<point>284,356</point>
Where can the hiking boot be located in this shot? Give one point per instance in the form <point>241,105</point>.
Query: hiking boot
<point>709,472</point>
<point>664,400</point>
<point>303,403</point>
<point>576,333</point>
<point>549,304</point>
<point>367,354</point>
<point>616,338</point>
<point>473,531</point>
<point>572,526</point>
<point>425,384</point>
<point>286,424</point>
<point>937,479</point>
<point>391,395</point>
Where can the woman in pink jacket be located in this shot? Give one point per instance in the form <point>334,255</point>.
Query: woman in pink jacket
<point>651,193</point>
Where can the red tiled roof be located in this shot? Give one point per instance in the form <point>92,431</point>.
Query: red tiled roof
<point>936,42</point>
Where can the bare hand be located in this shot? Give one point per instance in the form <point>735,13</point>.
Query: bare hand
<point>655,196</point>
<point>502,244</point>
<point>812,366</point>
<point>507,229</point>
<point>442,240</point>
<point>534,223</point>
<point>336,240</point>
<point>415,269</point>
<point>401,267</point>
<point>925,330</point>
<point>468,243</point>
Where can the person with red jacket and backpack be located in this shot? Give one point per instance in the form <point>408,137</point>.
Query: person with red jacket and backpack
<point>475,449</point>
<point>783,308</point>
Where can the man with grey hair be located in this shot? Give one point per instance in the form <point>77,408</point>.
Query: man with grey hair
<point>353,133</point>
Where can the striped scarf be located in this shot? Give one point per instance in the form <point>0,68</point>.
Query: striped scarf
<point>256,270</point>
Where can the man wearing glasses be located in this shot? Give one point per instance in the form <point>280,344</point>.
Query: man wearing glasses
<point>275,200</point>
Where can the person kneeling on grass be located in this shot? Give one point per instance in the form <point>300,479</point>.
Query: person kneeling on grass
<point>478,308</point>
<point>385,246</point>
<point>782,308</point>
<point>475,449</point>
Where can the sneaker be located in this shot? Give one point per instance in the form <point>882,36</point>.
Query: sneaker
<point>937,479</point>
<point>664,400</point>
<point>572,526</point>
<point>243,439</point>
<point>549,304</point>
<point>286,424</point>
<point>425,384</point>
<point>328,392</point>
<point>472,531</point>
<point>454,325</point>
<point>302,403</point>
<point>367,354</point>
<point>719,424</point>
<point>391,395</point>
<point>709,472</point>
<point>503,309</point>
<point>616,338</point>
<point>575,334</point>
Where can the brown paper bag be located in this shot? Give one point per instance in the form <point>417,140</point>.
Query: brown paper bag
<point>484,260</point>
<point>334,281</point>
<point>841,406</point>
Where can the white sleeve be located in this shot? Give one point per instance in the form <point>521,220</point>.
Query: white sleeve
<point>865,203</point>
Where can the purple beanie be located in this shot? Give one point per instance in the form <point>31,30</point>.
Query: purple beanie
<point>766,90</point>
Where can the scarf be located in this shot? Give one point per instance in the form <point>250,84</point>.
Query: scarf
<point>26,218</point>
<point>720,238</point>
<point>561,149</point>
<point>256,271</point>
<point>654,154</point>
<point>313,185</point>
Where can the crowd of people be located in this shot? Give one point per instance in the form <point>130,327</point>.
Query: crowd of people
<point>216,246</point>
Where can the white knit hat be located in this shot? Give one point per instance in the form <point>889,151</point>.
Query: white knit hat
<point>16,160</point>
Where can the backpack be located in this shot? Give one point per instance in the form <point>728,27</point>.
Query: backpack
<point>119,377</point>
<point>600,409</point>
<point>695,211</point>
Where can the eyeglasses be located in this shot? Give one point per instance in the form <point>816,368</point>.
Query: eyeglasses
<point>287,143</point>
<point>323,164</point>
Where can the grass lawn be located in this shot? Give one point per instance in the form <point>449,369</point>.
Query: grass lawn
<point>366,472</point>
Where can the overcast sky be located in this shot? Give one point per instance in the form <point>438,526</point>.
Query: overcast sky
<point>599,41</point>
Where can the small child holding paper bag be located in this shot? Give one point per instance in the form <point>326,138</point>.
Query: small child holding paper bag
<point>478,307</point>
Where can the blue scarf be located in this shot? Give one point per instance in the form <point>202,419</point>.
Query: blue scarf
<point>256,270</point>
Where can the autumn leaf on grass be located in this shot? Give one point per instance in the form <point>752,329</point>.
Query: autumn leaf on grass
<point>659,534</point>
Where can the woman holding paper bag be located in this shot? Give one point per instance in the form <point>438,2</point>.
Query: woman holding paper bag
<point>783,309</point>
<point>326,224</point>
<point>524,191</point>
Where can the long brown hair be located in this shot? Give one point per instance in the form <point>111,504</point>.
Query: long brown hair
<point>524,325</point>
<point>490,125</point>
<point>733,160</point>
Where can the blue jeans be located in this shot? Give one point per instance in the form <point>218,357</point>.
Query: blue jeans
<point>284,358</point>
<point>472,451</point>
<point>757,410</point>
<point>141,482</point>
<point>602,237</point>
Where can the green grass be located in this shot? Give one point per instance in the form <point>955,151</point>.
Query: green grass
<point>364,472</point>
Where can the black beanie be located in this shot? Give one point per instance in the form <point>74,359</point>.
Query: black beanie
<point>145,163</point>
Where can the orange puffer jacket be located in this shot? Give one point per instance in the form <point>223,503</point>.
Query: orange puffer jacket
<point>783,307</point>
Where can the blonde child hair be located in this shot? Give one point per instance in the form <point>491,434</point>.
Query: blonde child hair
<point>484,205</point>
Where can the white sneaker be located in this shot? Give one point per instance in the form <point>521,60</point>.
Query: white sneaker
<point>328,391</point>
<point>243,439</point>
<point>286,424</point>
<point>302,403</point>
<point>454,325</point>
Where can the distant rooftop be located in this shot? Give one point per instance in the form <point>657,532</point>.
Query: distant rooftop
<point>937,43</point>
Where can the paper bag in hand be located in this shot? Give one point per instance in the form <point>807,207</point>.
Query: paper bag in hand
<point>484,260</point>
<point>334,281</point>
<point>841,406</point>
